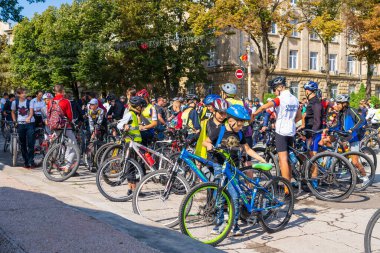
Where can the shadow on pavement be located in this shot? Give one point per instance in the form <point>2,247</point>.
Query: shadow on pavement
<point>39,223</point>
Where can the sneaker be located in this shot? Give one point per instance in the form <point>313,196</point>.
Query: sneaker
<point>215,231</point>
<point>237,232</point>
<point>364,180</point>
<point>65,169</point>
<point>295,184</point>
<point>130,192</point>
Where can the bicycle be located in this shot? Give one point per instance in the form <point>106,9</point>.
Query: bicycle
<point>15,148</point>
<point>124,170</point>
<point>92,148</point>
<point>162,189</point>
<point>371,235</point>
<point>62,152</point>
<point>7,132</point>
<point>262,202</point>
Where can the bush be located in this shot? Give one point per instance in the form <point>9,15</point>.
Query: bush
<point>268,95</point>
<point>356,97</point>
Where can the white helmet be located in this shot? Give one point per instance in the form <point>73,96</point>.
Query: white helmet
<point>342,98</point>
<point>47,96</point>
<point>229,88</point>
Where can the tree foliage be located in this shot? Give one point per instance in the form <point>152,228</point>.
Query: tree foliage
<point>11,9</point>
<point>109,45</point>
<point>253,17</point>
<point>5,75</point>
<point>363,23</point>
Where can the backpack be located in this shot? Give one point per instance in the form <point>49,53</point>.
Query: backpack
<point>221,134</point>
<point>56,116</point>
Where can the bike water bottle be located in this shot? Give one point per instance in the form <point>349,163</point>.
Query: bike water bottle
<point>207,173</point>
<point>149,159</point>
<point>292,157</point>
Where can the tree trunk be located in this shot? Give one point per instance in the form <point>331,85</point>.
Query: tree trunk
<point>75,90</point>
<point>327,69</point>
<point>368,87</point>
<point>262,87</point>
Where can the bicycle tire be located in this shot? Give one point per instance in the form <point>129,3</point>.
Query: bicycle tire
<point>340,158</point>
<point>103,171</point>
<point>372,166</point>
<point>184,169</point>
<point>372,142</point>
<point>184,211</point>
<point>14,151</point>
<point>368,231</point>
<point>106,154</point>
<point>46,167</point>
<point>167,217</point>
<point>270,158</point>
<point>263,197</point>
<point>99,153</point>
<point>371,153</point>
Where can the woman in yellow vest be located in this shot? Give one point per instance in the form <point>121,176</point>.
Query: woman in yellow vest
<point>148,119</point>
<point>130,123</point>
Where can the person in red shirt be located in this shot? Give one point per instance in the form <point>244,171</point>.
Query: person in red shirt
<point>67,110</point>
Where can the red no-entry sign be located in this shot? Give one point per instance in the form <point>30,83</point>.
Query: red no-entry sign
<point>239,74</point>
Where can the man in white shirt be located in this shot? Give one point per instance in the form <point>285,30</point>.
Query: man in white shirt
<point>38,106</point>
<point>22,113</point>
<point>288,113</point>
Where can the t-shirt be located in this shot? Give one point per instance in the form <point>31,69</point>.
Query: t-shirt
<point>22,111</point>
<point>37,105</point>
<point>2,103</point>
<point>161,112</point>
<point>286,106</point>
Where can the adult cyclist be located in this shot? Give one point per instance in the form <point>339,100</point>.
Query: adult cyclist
<point>288,113</point>
<point>148,119</point>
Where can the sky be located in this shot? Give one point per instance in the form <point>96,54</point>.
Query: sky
<point>30,9</point>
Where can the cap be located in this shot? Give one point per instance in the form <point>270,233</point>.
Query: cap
<point>93,101</point>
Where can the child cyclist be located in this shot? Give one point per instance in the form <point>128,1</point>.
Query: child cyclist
<point>228,136</point>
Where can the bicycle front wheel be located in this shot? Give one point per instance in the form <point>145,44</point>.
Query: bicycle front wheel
<point>330,176</point>
<point>14,151</point>
<point>372,234</point>
<point>61,161</point>
<point>117,177</point>
<point>206,215</point>
<point>158,196</point>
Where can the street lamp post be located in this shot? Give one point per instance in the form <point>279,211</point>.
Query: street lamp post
<point>249,72</point>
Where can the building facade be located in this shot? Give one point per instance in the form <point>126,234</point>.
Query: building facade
<point>302,58</point>
<point>6,29</point>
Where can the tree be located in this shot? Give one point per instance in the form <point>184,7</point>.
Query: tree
<point>324,18</point>
<point>5,78</point>
<point>253,17</point>
<point>11,10</point>
<point>363,22</point>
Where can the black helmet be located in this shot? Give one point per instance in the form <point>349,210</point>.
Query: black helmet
<point>191,97</point>
<point>137,101</point>
<point>281,80</point>
<point>111,97</point>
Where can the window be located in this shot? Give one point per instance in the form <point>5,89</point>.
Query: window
<point>191,89</point>
<point>212,58</point>
<point>272,55</point>
<point>350,39</point>
<point>314,36</point>
<point>293,2</point>
<point>335,39</point>
<point>332,61</point>
<point>294,88</point>
<point>313,61</point>
<point>350,64</point>
<point>293,59</point>
<point>294,31</point>
<point>351,88</point>
<point>377,92</point>
<point>273,28</point>
<point>334,90</point>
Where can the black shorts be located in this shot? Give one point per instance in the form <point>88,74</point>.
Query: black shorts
<point>283,142</point>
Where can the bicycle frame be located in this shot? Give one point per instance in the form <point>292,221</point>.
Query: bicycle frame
<point>232,175</point>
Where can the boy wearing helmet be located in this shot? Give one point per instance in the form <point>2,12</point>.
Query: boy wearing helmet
<point>208,109</point>
<point>190,117</point>
<point>230,135</point>
<point>130,123</point>
<point>350,120</point>
<point>149,119</point>
<point>288,113</point>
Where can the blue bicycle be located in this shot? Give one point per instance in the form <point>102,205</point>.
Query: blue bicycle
<point>270,204</point>
<point>159,194</point>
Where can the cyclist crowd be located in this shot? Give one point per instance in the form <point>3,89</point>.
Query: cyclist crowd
<point>216,120</point>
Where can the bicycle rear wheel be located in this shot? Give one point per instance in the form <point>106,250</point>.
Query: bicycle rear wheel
<point>336,177</point>
<point>14,151</point>
<point>115,177</point>
<point>374,143</point>
<point>149,200</point>
<point>368,166</point>
<point>276,200</point>
<point>59,155</point>
<point>270,158</point>
<point>371,153</point>
<point>372,234</point>
<point>112,151</point>
<point>99,154</point>
<point>205,215</point>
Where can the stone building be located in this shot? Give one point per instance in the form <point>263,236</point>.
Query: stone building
<point>301,59</point>
<point>6,28</point>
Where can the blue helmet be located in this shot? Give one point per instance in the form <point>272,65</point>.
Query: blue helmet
<point>209,99</point>
<point>312,86</point>
<point>238,112</point>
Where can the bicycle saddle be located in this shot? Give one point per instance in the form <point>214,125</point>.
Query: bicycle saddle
<point>262,166</point>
